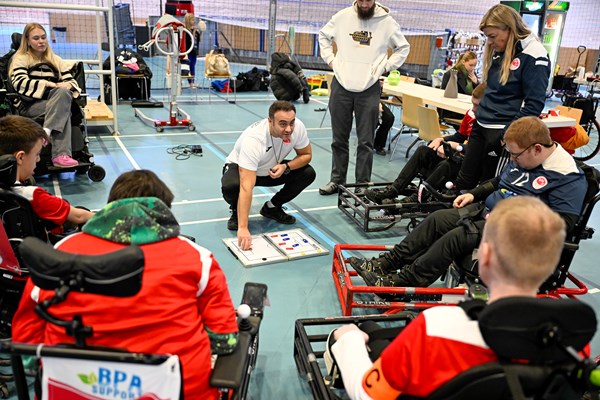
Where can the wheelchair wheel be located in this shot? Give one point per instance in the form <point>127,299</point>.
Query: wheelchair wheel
<point>588,151</point>
<point>96,173</point>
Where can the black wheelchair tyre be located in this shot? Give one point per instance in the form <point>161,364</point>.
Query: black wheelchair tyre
<point>96,173</point>
<point>588,151</point>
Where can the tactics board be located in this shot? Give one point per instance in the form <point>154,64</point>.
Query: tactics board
<point>276,247</point>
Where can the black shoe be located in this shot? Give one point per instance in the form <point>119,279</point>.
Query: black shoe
<point>379,195</point>
<point>305,95</point>
<point>277,214</point>
<point>380,152</point>
<point>413,198</point>
<point>379,265</point>
<point>374,279</point>
<point>232,223</point>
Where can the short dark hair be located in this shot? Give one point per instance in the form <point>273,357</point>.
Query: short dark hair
<point>19,134</point>
<point>140,183</point>
<point>280,105</point>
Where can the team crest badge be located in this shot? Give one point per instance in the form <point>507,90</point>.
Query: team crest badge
<point>539,182</point>
<point>515,64</point>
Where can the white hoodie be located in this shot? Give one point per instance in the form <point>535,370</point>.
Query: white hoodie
<point>362,46</point>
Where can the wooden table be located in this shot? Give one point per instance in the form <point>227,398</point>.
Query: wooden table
<point>435,97</point>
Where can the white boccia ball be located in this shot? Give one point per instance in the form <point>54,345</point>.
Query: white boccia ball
<point>244,311</point>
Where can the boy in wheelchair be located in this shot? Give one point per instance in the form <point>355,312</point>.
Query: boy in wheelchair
<point>538,167</point>
<point>520,247</point>
<point>184,306</point>
<point>21,141</point>
<point>436,161</point>
<point>46,88</point>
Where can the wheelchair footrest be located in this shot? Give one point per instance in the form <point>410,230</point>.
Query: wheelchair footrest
<point>386,299</point>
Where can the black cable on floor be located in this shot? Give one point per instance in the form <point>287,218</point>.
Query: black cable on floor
<point>185,151</point>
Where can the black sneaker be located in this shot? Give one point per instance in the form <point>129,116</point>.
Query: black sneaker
<point>413,198</point>
<point>380,265</point>
<point>379,195</point>
<point>277,214</point>
<point>380,152</point>
<point>232,223</point>
<point>374,279</point>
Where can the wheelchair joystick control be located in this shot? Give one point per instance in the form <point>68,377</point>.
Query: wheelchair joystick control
<point>459,148</point>
<point>243,312</point>
<point>449,185</point>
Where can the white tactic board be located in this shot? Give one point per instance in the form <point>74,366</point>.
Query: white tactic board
<point>274,247</point>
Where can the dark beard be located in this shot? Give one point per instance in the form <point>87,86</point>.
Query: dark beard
<point>364,15</point>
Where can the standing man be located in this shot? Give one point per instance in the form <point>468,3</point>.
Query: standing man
<point>259,159</point>
<point>362,34</point>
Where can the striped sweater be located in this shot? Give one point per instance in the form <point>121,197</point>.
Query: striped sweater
<point>31,80</point>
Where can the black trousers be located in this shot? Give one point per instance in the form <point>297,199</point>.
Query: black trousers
<point>424,255</point>
<point>293,184</point>
<point>425,161</point>
<point>383,129</point>
<point>481,142</point>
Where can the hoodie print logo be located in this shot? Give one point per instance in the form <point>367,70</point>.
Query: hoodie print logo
<point>362,37</point>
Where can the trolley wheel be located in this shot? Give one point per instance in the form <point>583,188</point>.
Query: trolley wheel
<point>549,93</point>
<point>191,127</point>
<point>588,151</point>
<point>160,128</point>
<point>96,173</point>
<point>4,392</point>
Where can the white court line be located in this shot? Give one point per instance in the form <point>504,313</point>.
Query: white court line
<point>207,221</point>
<point>56,185</point>
<point>186,202</point>
<point>190,133</point>
<point>593,291</point>
<point>127,153</point>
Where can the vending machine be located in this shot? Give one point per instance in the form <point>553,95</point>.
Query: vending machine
<point>547,19</point>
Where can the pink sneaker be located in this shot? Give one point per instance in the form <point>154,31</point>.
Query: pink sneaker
<point>64,161</point>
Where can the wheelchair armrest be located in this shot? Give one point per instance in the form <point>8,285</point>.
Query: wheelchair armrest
<point>231,370</point>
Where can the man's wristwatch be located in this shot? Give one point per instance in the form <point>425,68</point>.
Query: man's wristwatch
<point>287,168</point>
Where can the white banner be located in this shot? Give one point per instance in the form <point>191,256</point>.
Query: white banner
<point>72,379</point>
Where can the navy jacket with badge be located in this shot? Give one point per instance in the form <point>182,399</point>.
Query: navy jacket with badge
<point>558,182</point>
<point>525,92</point>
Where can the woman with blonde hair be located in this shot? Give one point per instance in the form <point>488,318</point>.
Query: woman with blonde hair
<point>465,78</point>
<point>516,69</point>
<point>46,88</point>
<point>189,22</point>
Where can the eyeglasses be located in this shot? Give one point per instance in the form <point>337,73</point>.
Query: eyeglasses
<point>514,156</point>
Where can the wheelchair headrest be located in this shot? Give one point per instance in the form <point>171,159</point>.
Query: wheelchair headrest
<point>537,329</point>
<point>8,171</point>
<point>116,274</point>
<point>15,39</point>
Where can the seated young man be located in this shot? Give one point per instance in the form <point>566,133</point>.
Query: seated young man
<point>430,160</point>
<point>184,306</point>
<point>24,138</point>
<point>520,248</point>
<point>538,167</point>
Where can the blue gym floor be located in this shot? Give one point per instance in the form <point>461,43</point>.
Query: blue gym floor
<point>297,289</point>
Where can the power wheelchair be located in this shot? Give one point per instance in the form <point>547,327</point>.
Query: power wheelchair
<point>539,344</point>
<point>374,217</point>
<point>118,274</point>
<point>461,280</point>
<point>79,139</point>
